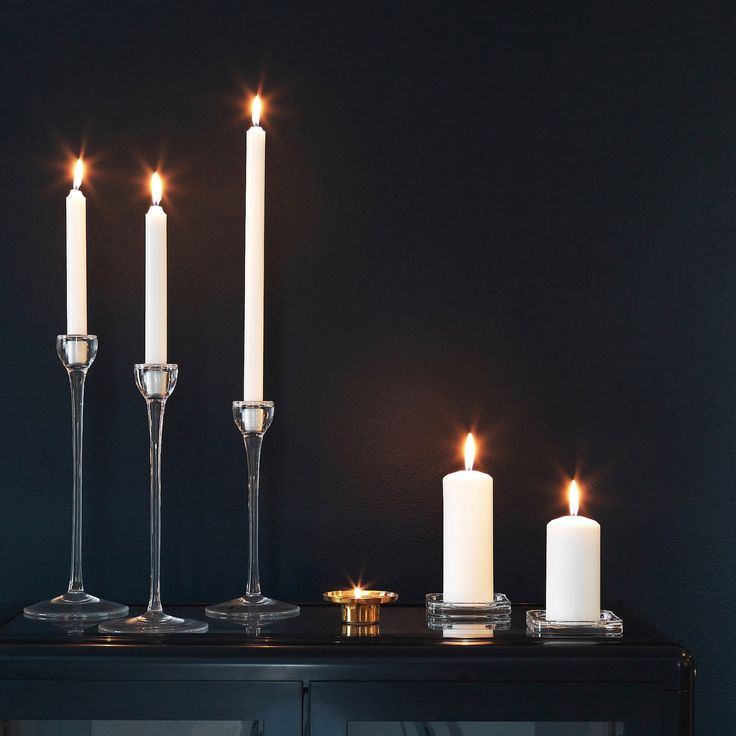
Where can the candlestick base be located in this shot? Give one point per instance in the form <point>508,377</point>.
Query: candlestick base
<point>439,610</point>
<point>256,608</point>
<point>75,607</point>
<point>608,625</point>
<point>154,622</point>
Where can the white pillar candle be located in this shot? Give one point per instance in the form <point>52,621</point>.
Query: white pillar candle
<point>76,256</point>
<point>156,276</point>
<point>255,188</point>
<point>573,566</point>
<point>468,533</point>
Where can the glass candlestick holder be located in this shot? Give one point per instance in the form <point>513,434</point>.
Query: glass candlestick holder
<point>253,418</point>
<point>77,353</point>
<point>156,382</point>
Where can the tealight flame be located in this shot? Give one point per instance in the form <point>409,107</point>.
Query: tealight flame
<point>469,451</point>
<point>78,173</point>
<point>574,496</point>
<point>256,110</point>
<point>157,188</point>
<point>357,592</point>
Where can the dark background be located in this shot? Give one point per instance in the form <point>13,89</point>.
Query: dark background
<point>520,222</point>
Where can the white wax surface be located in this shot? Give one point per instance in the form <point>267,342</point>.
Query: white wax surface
<point>255,188</point>
<point>156,324</point>
<point>468,537</point>
<point>76,263</point>
<point>573,569</point>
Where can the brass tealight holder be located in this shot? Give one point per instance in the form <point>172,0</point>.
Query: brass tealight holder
<point>361,630</point>
<point>360,607</point>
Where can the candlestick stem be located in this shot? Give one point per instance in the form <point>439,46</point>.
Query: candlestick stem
<point>253,443</point>
<point>77,353</point>
<point>156,408</point>
<point>76,385</point>
<point>156,382</point>
<point>253,418</point>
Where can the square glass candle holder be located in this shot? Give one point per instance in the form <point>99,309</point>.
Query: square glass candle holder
<point>439,610</point>
<point>608,625</point>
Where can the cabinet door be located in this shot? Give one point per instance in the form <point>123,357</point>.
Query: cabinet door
<point>155,708</point>
<point>485,709</point>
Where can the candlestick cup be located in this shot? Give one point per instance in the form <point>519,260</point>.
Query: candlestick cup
<point>253,418</point>
<point>77,353</point>
<point>156,382</point>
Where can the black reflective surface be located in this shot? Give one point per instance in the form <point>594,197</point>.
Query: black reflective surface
<point>321,625</point>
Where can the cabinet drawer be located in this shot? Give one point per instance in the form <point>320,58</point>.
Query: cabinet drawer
<point>274,707</point>
<point>389,708</point>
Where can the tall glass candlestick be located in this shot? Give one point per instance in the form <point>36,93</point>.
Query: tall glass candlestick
<point>77,353</point>
<point>156,382</point>
<point>253,418</point>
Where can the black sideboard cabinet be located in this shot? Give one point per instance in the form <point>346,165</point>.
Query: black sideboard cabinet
<point>309,675</point>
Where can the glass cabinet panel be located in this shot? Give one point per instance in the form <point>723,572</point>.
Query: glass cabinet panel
<point>483,728</point>
<point>126,728</point>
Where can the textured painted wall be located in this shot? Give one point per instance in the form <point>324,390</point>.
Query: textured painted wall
<point>519,223</point>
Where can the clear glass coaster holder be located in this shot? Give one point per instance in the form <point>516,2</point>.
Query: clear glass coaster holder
<point>608,625</point>
<point>440,610</point>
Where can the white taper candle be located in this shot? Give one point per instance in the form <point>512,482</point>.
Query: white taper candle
<point>255,188</point>
<point>76,256</point>
<point>156,321</point>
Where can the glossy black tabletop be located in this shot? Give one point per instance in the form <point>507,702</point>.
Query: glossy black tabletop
<point>317,625</point>
<point>316,645</point>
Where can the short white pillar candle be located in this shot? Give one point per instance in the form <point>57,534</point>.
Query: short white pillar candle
<point>573,566</point>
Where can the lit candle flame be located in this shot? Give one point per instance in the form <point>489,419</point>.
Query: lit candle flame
<point>78,173</point>
<point>469,451</point>
<point>256,110</point>
<point>574,496</point>
<point>157,188</point>
<point>357,592</point>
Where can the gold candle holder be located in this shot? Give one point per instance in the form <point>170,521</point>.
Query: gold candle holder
<point>361,630</point>
<point>360,607</point>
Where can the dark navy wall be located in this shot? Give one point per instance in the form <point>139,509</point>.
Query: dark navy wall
<point>520,222</point>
